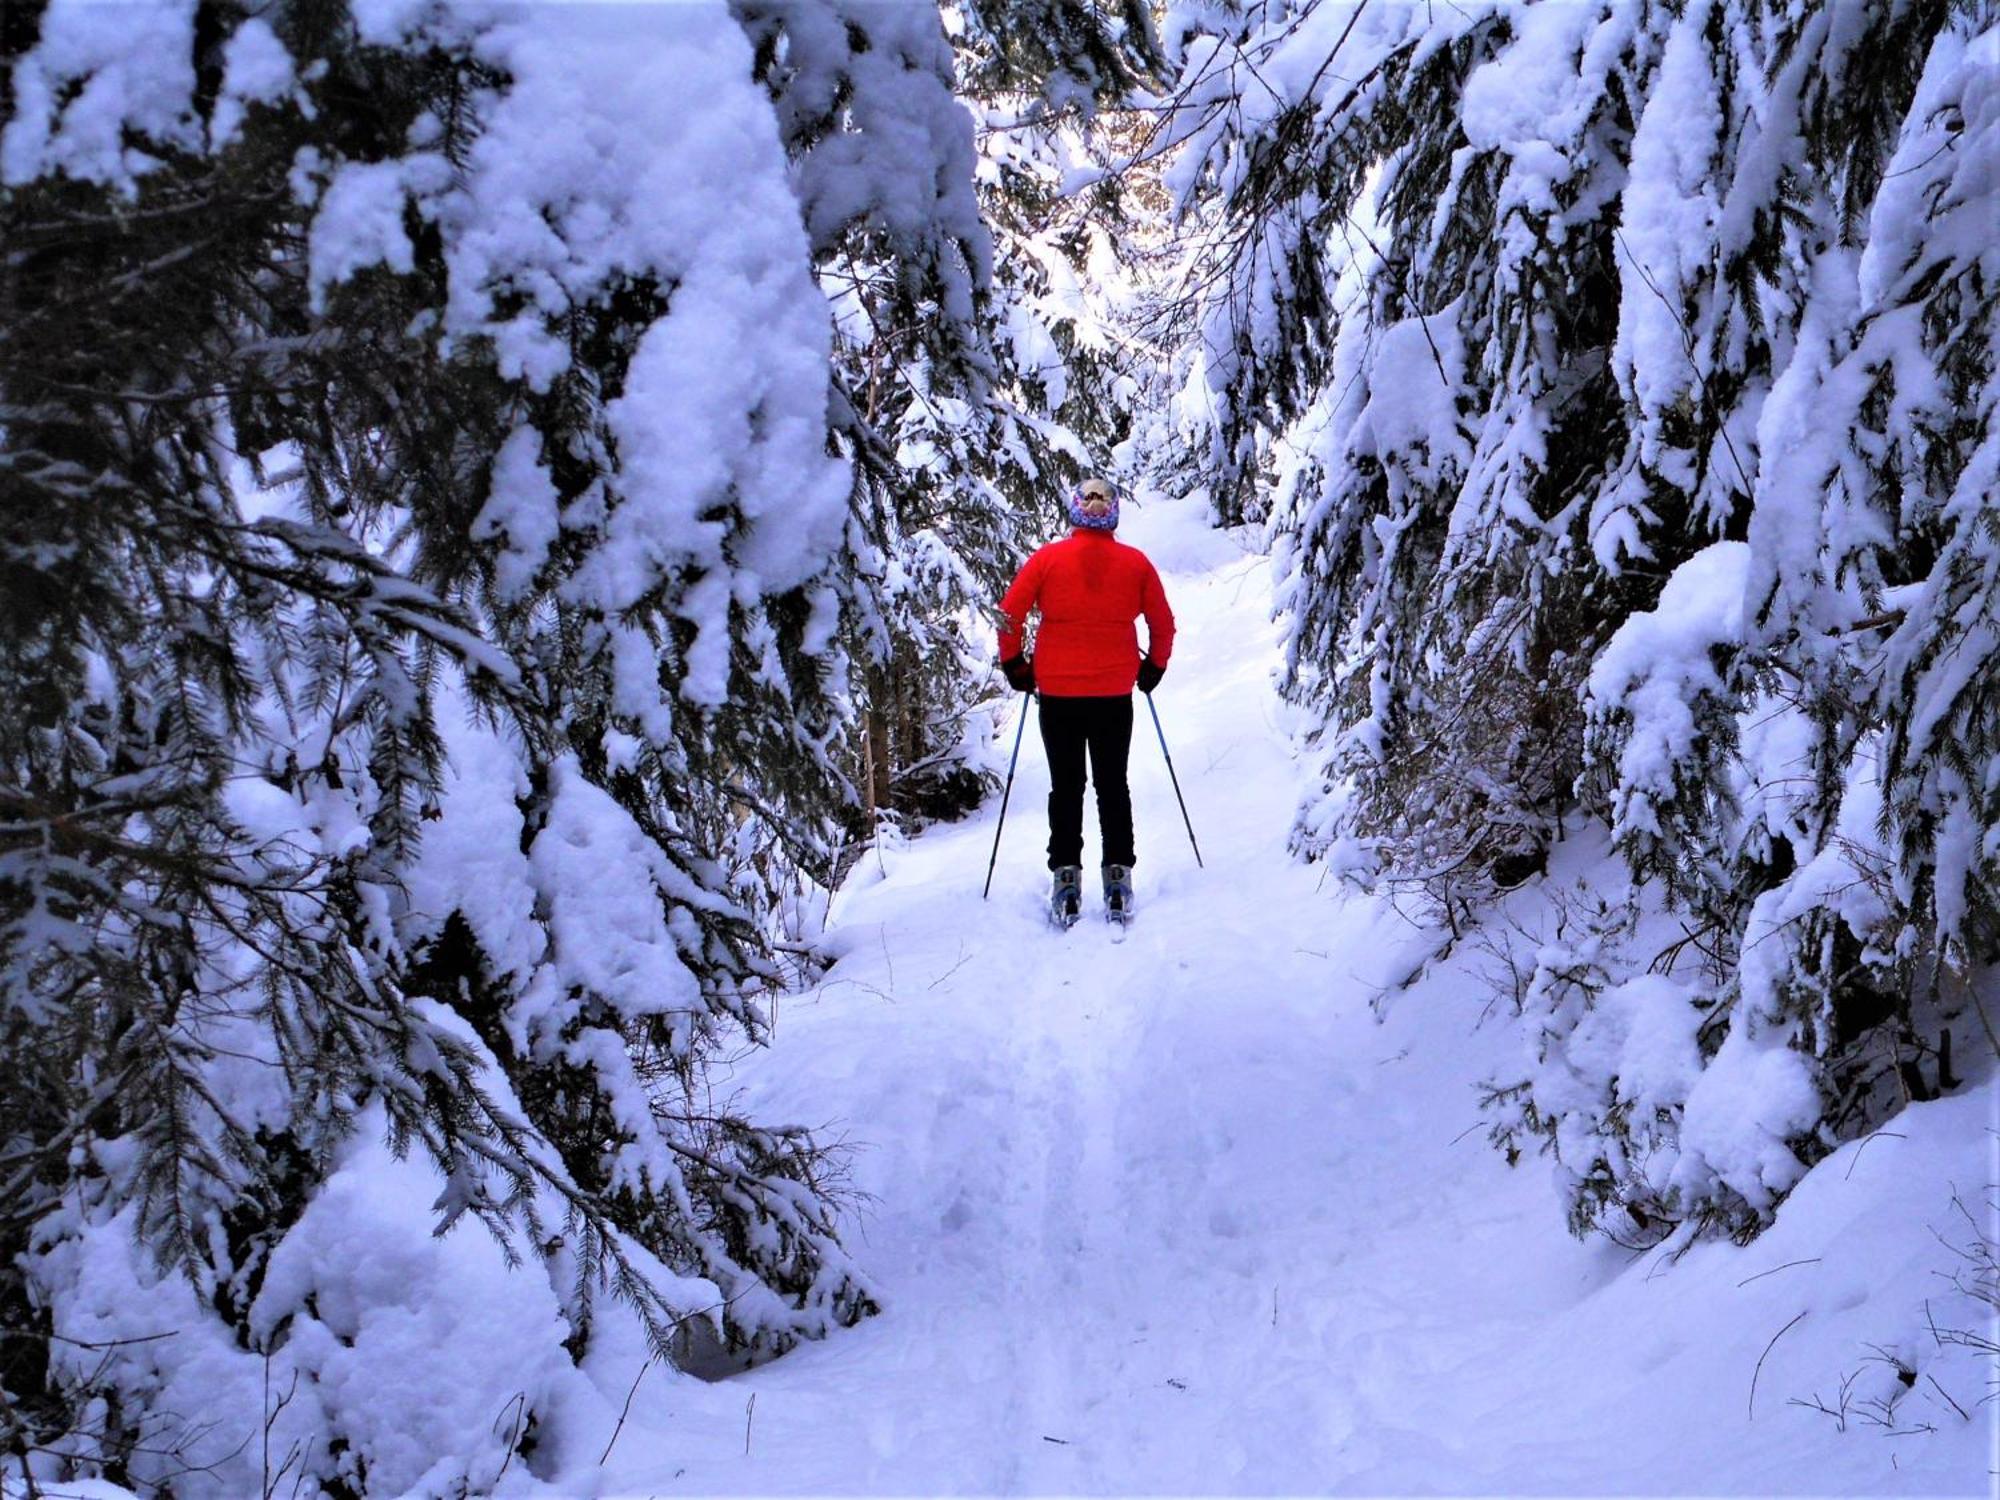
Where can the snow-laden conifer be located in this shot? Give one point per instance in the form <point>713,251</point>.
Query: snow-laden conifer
<point>1622,382</point>
<point>971,381</point>
<point>417,546</point>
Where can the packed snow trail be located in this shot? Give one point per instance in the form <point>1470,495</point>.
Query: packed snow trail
<point>1181,1215</point>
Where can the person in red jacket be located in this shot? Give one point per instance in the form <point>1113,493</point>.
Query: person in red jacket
<point>1090,588</point>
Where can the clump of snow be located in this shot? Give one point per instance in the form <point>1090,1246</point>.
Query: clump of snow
<point>903,160</point>
<point>166,1353</point>
<point>602,881</point>
<point>96,73</point>
<point>1514,102</point>
<point>1667,217</point>
<point>1649,685</point>
<point>1775,786</point>
<point>1410,422</point>
<point>1755,1097</point>
<point>360,224</point>
<point>382,1354</point>
<point>256,69</point>
<point>1637,1044</point>
<point>721,426</point>
<point>428,1356</point>
<point>471,860</point>
<point>521,513</point>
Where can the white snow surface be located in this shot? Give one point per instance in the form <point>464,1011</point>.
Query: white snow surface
<point>1181,1215</point>
<point>1206,1211</point>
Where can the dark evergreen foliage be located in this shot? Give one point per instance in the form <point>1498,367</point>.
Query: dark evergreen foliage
<point>1555,341</point>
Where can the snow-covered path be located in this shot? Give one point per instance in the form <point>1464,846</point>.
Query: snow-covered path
<point>1181,1215</point>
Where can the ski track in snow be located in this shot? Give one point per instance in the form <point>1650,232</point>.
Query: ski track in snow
<point>1181,1215</point>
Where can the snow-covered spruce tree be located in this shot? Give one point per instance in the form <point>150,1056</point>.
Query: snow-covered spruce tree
<point>1065,233</point>
<point>409,627</point>
<point>1408,330</point>
<point>1072,56</point>
<point>967,392</point>
<point>1052,86</point>
<point>1625,373</point>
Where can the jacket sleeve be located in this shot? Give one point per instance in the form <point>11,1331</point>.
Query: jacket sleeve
<point>1016,603</point>
<point>1159,618</point>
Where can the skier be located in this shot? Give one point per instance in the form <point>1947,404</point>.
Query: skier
<point>1089,587</point>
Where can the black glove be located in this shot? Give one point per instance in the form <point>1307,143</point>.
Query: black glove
<point>1020,673</point>
<point>1149,675</point>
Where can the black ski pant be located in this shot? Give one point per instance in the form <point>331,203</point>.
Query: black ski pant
<point>1103,727</point>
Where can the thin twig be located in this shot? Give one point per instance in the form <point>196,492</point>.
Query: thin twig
<point>1694,365</point>
<point>1809,1261</point>
<point>519,1401</point>
<point>1892,1134</point>
<point>626,1408</point>
<point>1751,1414</point>
<point>964,958</point>
<point>1947,1396</point>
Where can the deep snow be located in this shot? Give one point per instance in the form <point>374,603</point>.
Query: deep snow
<point>1182,1215</point>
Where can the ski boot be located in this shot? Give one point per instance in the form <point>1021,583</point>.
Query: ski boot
<point>1066,895</point>
<point>1118,894</point>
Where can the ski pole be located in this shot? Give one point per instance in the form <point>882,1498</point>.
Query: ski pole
<point>1013,761</point>
<point>1176,781</point>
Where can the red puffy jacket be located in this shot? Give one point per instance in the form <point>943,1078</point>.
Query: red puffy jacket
<point>1090,587</point>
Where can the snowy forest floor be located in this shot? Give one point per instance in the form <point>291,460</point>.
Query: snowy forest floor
<point>1183,1214</point>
